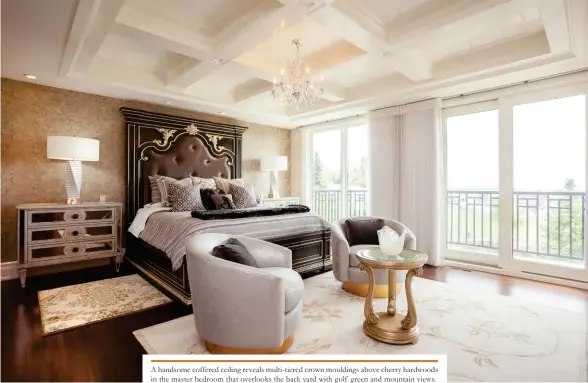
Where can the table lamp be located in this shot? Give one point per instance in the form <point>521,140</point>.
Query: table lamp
<point>74,150</point>
<point>274,164</point>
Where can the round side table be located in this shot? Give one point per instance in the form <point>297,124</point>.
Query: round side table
<point>390,326</point>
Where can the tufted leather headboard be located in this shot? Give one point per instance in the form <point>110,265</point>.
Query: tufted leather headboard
<point>177,147</point>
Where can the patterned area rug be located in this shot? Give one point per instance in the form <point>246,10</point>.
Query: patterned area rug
<point>486,337</point>
<point>80,305</point>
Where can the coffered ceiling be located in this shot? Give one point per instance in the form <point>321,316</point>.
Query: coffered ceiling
<point>220,56</point>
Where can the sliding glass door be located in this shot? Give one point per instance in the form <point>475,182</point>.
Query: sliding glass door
<point>516,184</point>
<point>472,183</point>
<point>548,186</point>
<point>327,174</point>
<point>339,171</point>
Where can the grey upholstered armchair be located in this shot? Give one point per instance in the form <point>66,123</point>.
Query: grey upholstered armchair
<point>241,309</point>
<point>345,263</point>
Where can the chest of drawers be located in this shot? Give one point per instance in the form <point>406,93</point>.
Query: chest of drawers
<point>50,234</point>
<point>280,202</point>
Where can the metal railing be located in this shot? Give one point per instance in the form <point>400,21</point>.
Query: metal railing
<point>545,224</point>
<point>327,203</point>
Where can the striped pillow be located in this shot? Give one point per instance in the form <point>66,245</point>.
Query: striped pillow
<point>205,183</point>
<point>155,193</point>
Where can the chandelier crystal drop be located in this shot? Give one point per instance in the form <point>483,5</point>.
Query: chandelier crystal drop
<point>295,87</point>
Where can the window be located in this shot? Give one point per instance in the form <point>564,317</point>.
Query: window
<point>516,184</point>
<point>339,171</point>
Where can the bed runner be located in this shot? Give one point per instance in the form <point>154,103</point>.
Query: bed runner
<point>246,213</point>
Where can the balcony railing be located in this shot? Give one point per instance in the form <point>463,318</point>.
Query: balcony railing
<point>545,224</point>
<point>327,203</point>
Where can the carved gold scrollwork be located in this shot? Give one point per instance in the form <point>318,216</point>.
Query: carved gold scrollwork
<point>167,134</point>
<point>370,316</point>
<point>192,129</point>
<point>214,139</point>
<point>411,316</point>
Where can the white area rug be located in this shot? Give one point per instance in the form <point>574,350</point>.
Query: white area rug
<point>486,337</point>
<point>79,305</point>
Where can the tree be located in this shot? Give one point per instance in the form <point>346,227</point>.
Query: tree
<point>319,176</point>
<point>565,223</point>
<point>357,175</point>
<point>570,184</point>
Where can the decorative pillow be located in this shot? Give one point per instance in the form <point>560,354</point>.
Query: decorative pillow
<point>185,197</point>
<point>363,231</point>
<point>155,193</point>
<point>206,195</point>
<point>234,251</point>
<point>243,196</point>
<point>163,186</point>
<point>223,202</point>
<point>205,183</point>
<point>223,183</point>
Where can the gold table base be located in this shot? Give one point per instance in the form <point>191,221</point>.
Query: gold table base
<point>389,330</point>
<point>390,326</point>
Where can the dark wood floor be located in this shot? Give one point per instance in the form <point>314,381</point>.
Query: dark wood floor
<point>108,351</point>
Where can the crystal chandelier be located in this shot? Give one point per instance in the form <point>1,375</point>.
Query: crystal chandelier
<point>295,87</point>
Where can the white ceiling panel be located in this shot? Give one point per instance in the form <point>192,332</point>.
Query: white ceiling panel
<point>221,55</point>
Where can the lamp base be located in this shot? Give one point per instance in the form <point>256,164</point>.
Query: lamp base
<point>73,182</point>
<point>274,191</point>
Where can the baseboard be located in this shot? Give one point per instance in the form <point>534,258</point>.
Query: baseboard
<point>517,274</point>
<point>8,270</point>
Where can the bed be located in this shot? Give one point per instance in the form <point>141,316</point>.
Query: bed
<point>178,147</point>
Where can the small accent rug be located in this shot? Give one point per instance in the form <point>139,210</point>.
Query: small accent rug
<point>486,337</point>
<point>68,307</point>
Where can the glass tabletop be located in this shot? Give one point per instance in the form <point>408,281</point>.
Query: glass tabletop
<point>378,255</point>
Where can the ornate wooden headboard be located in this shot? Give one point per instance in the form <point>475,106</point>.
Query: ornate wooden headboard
<point>177,147</point>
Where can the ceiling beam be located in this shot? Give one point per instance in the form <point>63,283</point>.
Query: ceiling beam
<point>555,16</point>
<point>92,22</point>
<point>412,34</point>
<point>348,20</point>
<point>413,64</point>
<point>251,89</point>
<point>190,71</point>
<point>256,26</point>
<point>239,37</point>
<point>134,16</point>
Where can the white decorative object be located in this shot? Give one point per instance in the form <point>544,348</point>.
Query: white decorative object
<point>273,164</point>
<point>74,150</point>
<point>390,242</point>
<point>295,86</point>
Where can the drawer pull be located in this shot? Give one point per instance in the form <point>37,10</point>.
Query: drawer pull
<point>73,216</point>
<point>74,249</point>
<point>74,232</point>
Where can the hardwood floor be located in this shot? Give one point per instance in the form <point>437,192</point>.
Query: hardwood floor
<point>108,351</point>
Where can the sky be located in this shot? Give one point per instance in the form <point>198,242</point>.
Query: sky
<point>549,146</point>
<point>549,140</point>
<point>328,144</point>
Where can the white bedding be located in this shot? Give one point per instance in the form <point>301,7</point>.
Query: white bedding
<point>143,215</point>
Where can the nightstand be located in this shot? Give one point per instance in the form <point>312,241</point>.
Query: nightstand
<point>51,234</point>
<point>280,202</point>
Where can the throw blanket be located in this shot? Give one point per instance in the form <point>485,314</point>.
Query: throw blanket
<point>168,230</point>
<point>245,213</point>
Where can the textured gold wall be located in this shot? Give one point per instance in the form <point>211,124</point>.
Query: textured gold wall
<point>32,112</point>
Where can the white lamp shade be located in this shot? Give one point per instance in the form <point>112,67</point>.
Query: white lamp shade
<point>274,163</point>
<point>73,148</point>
